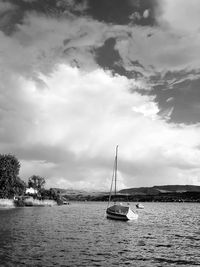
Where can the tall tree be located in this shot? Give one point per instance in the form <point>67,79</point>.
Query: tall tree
<point>36,182</point>
<point>10,183</point>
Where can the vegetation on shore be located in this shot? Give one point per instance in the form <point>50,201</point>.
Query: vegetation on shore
<point>167,193</point>
<point>12,185</point>
<point>162,197</point>
<point>10,182</point>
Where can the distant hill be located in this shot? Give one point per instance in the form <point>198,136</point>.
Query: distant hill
<point>156,190</point>
<point>164,193</point>
<point>74,192</point>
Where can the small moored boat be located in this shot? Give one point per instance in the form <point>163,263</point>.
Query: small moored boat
<point>139,206</point>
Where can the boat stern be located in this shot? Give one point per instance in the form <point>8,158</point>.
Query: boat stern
<point>132,215</point>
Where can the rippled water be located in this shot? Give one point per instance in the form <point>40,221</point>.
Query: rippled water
<point>165,234</point>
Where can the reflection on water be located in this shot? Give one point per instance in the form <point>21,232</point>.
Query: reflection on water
<point>165,234</point>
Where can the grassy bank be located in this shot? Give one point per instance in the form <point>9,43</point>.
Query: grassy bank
<point>36,202</point>
<point>6,203</point>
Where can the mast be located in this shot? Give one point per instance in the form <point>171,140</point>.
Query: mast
<point>114,177</point>
<point>116,170</point>
<point>111,185</point>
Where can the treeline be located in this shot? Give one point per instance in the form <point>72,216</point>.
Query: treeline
<point>162,197</point>
<point>11,184</point>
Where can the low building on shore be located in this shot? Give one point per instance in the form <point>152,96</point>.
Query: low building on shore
<point>31,191</point>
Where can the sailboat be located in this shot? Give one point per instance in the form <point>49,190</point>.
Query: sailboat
<point>118,211</point>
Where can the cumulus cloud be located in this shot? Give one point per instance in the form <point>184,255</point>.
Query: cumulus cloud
<point>68,131</point>
<point>46,41</point>
<point>40,42</point>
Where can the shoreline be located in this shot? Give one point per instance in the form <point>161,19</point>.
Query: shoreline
<point>7,203</point>
<point>29,202</point>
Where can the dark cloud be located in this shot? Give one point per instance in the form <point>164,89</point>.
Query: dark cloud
<point>186,102</point>
<point>107,55</point>
<point>109,58</point>
<point>9,16</point>
<point>109,11</point>
<point>119,12</point>
<point>175,90</point>
<point>14,15</point>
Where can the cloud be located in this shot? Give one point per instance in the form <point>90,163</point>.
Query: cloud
<point>161,52</point>
<point>146,13</point>
<point>6,6</point>
<point>47,41</point>
<point>180,16</point>
<point>149,109</point>
<point>73,5</point>
<point>135,16</point>
<point>167,45</point>
<point>62,114</point>
<point>29,1</point>
<point>167,113</point>
<point>67,131</point>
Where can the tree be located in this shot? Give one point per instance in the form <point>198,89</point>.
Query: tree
<point>10,183</point>
<point>36,182</point>
<point>19,187</point>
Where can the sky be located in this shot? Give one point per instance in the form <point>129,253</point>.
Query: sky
<point>78,77</point>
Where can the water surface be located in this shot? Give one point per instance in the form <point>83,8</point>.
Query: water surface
<point>165,234</point>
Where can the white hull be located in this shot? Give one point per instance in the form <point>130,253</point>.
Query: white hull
<point>122,213</point>
<point>132,215</point>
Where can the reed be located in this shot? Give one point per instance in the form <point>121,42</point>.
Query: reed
<point>6,203</point>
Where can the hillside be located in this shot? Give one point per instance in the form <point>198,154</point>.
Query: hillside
<point>156,190</point>
<point>72,194</point>
<point>164,193</point>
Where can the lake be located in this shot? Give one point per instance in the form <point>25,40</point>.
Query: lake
<point>165,234</point>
